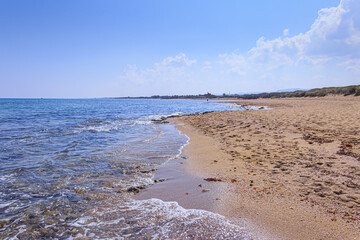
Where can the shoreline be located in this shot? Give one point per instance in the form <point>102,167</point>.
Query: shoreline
<point>175,181</point>
<point>268,199</point>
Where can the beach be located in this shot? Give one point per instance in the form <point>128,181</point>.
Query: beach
<point>289,172</point>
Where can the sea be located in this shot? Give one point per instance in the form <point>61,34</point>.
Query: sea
<point>69,169</point>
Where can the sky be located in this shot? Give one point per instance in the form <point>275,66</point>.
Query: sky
<point>96,48</point>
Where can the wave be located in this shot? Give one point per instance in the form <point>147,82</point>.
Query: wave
<point>157,219</point>
<point>101,126</point>
<point>105,126</point>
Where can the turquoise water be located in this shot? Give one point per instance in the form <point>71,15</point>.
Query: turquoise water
<point>68,169</point>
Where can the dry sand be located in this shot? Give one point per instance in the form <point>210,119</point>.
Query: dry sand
<point>292,172</point>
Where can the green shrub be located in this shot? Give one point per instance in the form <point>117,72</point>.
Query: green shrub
<point>357,92</point>
<point>349,91</point>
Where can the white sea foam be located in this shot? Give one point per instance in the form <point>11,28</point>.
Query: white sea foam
<point>6,204</point>
<point>141,122</point>
<point>149,119</point>
<point>7,178</point>
<point>160,117</point>
<point>104,128</point>
<point>157,219</point>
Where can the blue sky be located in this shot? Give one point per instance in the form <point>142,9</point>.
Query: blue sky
<point>97,48</point>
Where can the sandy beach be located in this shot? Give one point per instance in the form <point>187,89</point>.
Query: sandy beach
<point>292,172</point>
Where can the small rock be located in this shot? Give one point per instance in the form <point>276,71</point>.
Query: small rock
<point>133,189</point>
<point>213,179</point>
<point>332,211</point>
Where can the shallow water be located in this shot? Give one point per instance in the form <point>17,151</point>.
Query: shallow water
<point>68,169</point>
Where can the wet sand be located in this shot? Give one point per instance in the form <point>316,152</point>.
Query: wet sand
<point>292,172</point>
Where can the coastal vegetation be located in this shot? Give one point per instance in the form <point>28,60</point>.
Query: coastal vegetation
<point>316,92</point>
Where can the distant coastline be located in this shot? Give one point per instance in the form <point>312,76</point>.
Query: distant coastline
<point>315,92</point>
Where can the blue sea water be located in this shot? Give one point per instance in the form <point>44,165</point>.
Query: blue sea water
<point>68,168</point>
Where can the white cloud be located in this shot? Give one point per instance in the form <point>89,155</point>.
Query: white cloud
<point>206,66</point>
<point>351,65</point>
<point>286,32</point>
<point>236,62</point>
<point>178,61</point>
<point>334,36</point>
<point>169,69</point>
